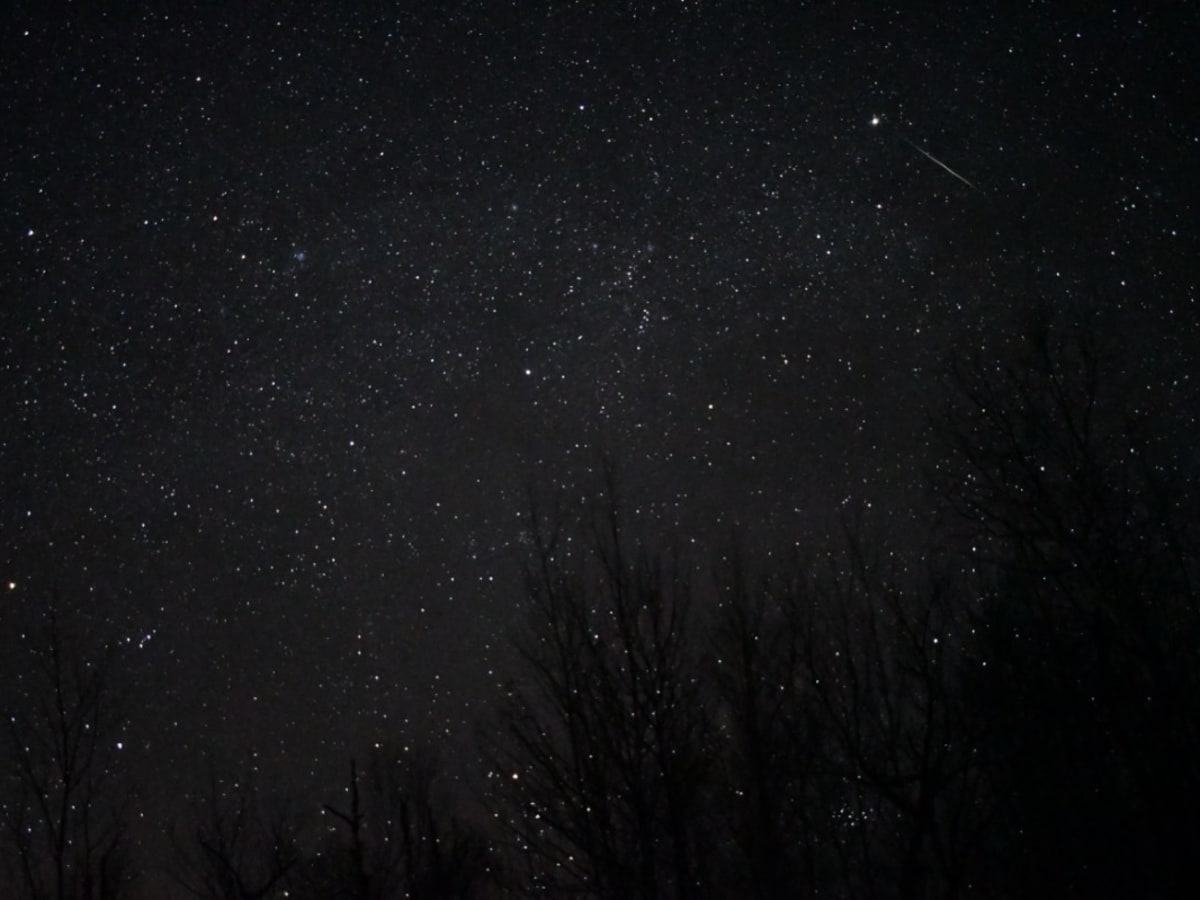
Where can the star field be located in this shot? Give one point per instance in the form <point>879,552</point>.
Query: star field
<point>295,304</point>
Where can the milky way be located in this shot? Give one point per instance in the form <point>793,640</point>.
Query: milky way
<point>295,306</point>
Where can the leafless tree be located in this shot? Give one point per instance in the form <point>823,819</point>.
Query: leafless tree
<point>773,784</point>
<point>391,839</point>
<point>1072,490</point>
<point>599,775</point>
<point>884,645</point>
<point>63,811</point>
<point>239,845</point>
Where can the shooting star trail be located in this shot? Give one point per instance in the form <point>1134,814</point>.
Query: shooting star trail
<point>933,158</point>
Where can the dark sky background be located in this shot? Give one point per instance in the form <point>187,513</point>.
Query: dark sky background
<point>294,303</point>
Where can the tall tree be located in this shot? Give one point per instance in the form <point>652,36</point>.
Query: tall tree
<point>772,774</point>
<point>63,810</point>
<point>239,846</point>
<point>391,837</point>
<point>883,649</point>
<point>601,769</point>
<point>1077,507</point>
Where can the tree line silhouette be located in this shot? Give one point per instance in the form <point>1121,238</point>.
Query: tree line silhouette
<point>1013,711</point>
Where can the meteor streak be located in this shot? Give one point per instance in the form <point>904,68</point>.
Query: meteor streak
<point>933,158</point>
<point>878,120</point>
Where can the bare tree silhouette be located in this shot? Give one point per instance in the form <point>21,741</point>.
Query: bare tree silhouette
<point>883,651</point>
<point>241,846</point>
<point>1073,493</point>
<point>63,808</point>
<point>391,839</point>
<point>772,746</point>
<point>601,768</point>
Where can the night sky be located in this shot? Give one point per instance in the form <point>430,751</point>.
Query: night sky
<point>296,304</point>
